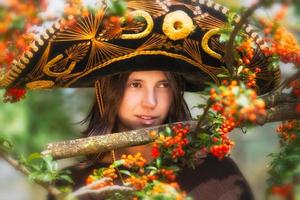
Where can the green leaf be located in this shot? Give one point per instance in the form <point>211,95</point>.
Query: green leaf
<point>224,37</point>
<point>34,156</point>
<point>126,172</point>
<point>5,144</point>
<point>118,163</point>
<point>66,178</point>
<point>241,67</point>
<point>231,17</point>
<point>223,75</point>
<point>199,106</point>
<point>158,162</point>
<point>168,130</point>
<point>18,23</point>
<point>46,177</point>
<point>33,176</point>
<point>117,7</point>
<point>151,168</point>
<point>50,164</point>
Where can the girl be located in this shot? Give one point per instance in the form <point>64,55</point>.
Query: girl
<point>150,98</point>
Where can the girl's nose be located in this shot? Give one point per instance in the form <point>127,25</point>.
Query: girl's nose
<point>149,99</point>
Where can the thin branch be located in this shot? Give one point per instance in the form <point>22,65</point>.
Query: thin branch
<point>229,58</point>
<point>281,112</point>
<point>200,121</point>
<point>274,98</point>
<point>286,83</point>
<point>21,168</point>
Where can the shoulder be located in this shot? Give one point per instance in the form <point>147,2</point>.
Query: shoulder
<point>215,179</point>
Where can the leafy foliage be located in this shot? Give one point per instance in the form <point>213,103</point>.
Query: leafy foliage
<point>44,169</point>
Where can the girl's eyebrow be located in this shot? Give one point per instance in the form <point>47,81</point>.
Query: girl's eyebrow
<point>140,80</point>
<point>163,81</point>
<point>135,79</point>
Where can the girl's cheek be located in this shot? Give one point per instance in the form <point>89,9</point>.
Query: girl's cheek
<point>132,97</point>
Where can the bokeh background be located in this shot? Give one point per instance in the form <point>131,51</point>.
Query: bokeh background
<point>53,115</point>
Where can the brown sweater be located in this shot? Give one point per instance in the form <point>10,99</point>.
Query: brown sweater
<point>212,179</point>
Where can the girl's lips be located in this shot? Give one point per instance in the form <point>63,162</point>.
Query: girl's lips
<point>147,119</point>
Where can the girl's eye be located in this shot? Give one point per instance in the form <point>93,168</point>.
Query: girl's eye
<point>163,85</point>
<point>135,85</point>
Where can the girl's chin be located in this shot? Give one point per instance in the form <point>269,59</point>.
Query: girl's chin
<point>134,125</point>
<point>144,125</point>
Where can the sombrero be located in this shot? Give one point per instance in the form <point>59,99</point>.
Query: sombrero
<point>169,35</point>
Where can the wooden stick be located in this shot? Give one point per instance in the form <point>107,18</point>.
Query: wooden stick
<point>103,143</point>
<point>108,142</point>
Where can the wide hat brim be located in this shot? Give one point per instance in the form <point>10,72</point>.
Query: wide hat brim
<point>177,36</point>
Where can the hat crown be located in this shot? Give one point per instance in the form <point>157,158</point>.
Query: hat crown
<point>172,35</point>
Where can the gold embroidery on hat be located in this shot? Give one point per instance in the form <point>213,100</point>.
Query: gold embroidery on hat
<point>258,60</point>
<point>103,51</point>
<point>135,26</point>
<point>41,84</point>
<point>58,66</point>
<point>42,62</point>
<point>155,41</point>
<point>204,43</point>
<point>148,29</point>
<point>206,69</point>
<point>192,47</point>
<point>191,5</point>
<point>85,29</point>
<point>77,52</point>
<point>156,8</point>
<point>99,96</point>
<point>216,45</point>
<point>177,25</point>
<point>206,21</point>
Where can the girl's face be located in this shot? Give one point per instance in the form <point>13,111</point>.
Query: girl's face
<point>146,101</point>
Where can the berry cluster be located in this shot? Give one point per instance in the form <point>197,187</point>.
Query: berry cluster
<point>174,141</point>
<point>235,104</point>
<point>14,94</point>
<point>247,51</point>
<point>282,190</point>
<point>283,43</point>
<point>287,131</point>
<point>136,161</point>
<point>137,182</point>
<point>109,172</point>
<point>249,77</point>
<point>17,17</point>
<point>74,8</point>
<point>163,188</point>
<point>168,174</point>
<point>223,149</point>
<point>295,85</point>
<point>221,144</point>
<point>100,185</point>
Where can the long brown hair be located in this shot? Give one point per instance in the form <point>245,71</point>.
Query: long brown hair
<point>112,93</point>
